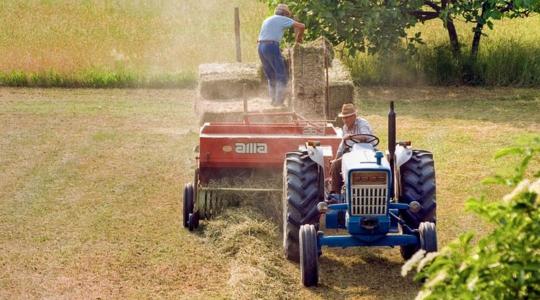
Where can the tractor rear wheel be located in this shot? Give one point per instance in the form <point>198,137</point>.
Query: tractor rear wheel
<point>309,255</point>
<point>188,204</point>
<point>303,189</point>
<point>418,184</point>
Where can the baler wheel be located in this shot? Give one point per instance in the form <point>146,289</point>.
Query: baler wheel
<point>418,184</point>
<point>309,255</point>
<point>428,236</point>
<point>188,204</point>
<point>303,189</point>
<point>193,221</point>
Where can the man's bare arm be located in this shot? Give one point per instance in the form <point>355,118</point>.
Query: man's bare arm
<point>299,31</point>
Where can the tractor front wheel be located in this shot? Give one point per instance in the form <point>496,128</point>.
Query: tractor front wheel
<point>188,204</point>
<point>302,190</point>
<point>309,256</point>
<point>428,236</point>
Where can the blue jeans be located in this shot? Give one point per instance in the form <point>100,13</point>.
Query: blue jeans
<point>274,69</point>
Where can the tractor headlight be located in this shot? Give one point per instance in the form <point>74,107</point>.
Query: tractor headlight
<point>322,207</point>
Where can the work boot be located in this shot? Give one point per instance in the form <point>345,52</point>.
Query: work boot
<point>281,91</point>
<point>272,91</point>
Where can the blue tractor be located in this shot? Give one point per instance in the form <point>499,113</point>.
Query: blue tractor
<point>387,200</point>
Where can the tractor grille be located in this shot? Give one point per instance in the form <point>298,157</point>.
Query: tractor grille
<point>368,200</point>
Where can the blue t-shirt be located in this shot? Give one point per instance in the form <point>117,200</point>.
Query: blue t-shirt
<point>273,27</point>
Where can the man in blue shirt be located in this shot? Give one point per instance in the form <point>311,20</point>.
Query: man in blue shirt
<point>272,30</point>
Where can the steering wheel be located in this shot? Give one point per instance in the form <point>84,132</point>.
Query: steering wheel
<point>360,138</point>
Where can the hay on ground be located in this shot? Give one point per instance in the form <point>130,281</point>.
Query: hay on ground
<point>257,268</point>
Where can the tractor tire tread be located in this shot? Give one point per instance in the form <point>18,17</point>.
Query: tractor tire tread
<point>418,184</point>
<point>301,195</point>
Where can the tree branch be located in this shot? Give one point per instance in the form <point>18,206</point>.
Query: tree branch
<point>424,15</point>
<point>434,6</point>
<point>509,6</point>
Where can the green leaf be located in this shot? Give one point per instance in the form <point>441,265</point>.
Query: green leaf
<point>508,151</point>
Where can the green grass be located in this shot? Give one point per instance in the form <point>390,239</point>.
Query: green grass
<point>98,79</point>
<point>90,185</point>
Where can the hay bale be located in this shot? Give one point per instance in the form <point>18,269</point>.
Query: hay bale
<point>226,80</point>
<point>341,88</point>
<point>338,72</point>
<point>308,79</point>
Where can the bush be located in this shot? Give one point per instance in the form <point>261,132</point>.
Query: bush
<point>505,264</point>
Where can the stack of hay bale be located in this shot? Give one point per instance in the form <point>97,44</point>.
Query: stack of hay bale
<point>222,87</point>
<point>309,81</point>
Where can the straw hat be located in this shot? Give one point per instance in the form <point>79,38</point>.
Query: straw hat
<point>347,110</point>
<point>284,8</point>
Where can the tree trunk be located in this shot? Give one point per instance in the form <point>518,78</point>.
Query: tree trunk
<point>452,34</point>
<point>478,30</point>
<point>471,73</point>
<point>476,40</point>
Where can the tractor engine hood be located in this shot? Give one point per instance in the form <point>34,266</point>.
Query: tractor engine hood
<point>362,156</point>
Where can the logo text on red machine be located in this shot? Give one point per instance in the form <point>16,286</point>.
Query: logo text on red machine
<point>250,148</point>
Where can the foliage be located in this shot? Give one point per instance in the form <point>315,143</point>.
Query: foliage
<point>505,264</point>
<point>370,26</point>
<point>484,12</point>
<point>375,26</point>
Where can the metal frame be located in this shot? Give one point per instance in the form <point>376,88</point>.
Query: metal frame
<point>388,239</point>
<point>357,240</point>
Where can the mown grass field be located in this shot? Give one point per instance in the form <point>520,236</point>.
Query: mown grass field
<point>90,184</point>
<point>161,43</point>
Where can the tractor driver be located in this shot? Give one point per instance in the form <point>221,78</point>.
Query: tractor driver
<point>271,33</point>
<point>352,124</point>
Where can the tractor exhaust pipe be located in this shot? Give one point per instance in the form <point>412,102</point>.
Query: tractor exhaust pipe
<point>392,139</point>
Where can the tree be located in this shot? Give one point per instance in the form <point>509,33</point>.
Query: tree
<point>379,25</point>
<point>362,25</point>
<point>483,12</point>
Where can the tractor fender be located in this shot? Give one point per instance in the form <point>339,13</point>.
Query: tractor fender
<point>316,154</point>
<point>402,155</point>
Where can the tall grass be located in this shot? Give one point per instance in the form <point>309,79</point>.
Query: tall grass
<point>509,55</point>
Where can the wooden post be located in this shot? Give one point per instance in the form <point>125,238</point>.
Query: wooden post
<point>244,100</point>
<point>327,87</point>
<point>237,34</point>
